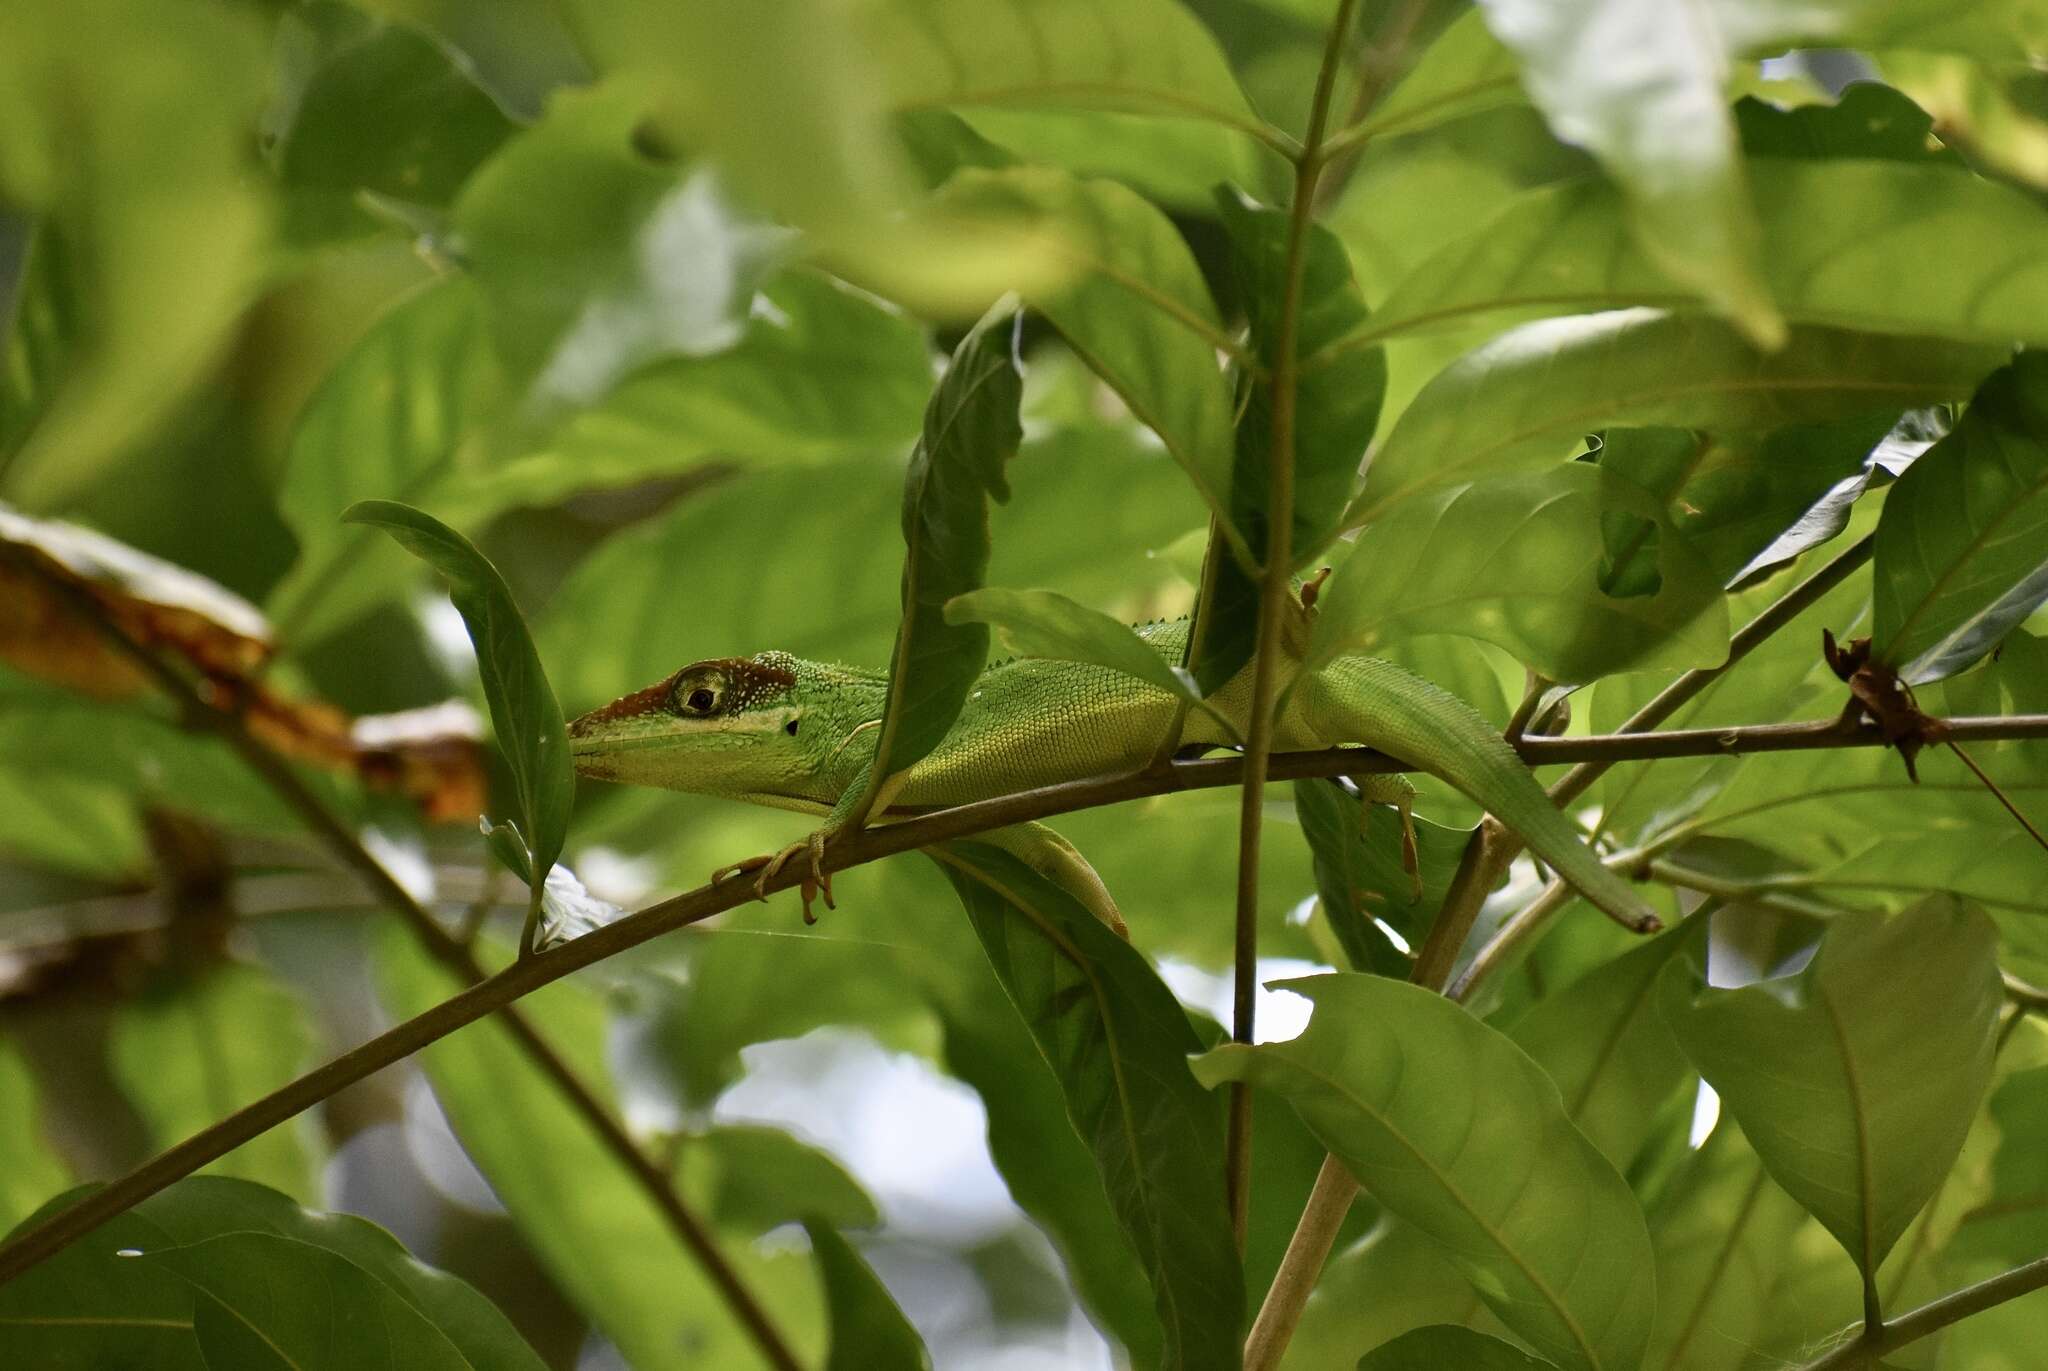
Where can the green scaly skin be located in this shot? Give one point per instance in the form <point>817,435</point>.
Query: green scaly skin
<point>793,734</point>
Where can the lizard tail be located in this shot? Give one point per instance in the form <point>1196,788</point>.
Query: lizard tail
<point>1373,702</point>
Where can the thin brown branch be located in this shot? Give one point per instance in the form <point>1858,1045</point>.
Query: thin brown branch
<point>545,968</point>
<point>1276,583</point>
<point>1932,1317</point>
<point>453,954</point>
<point>1993,786</point>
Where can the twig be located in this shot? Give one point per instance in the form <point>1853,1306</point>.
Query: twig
<point>1967,760</point>
<point>545,968</point>
<point>1277,575</point>
<point>451,952</point>
<point>1933,1316</point>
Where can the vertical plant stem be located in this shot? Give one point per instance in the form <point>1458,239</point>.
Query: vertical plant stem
<point>1276,575</point>
<point>452,953</point>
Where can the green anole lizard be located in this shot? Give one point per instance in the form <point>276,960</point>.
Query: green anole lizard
<point>777,730</point>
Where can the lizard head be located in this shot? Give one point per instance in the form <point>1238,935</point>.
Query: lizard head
<point>725,726</point>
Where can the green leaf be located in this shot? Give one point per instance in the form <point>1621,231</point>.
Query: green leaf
<point>1868,120</point>
<point>971,431</point>
<point>1049,1170</point>
<point>2013,1225</point>
<point>1118,1041</point>
<point>593,260</point>
<point>604,1244</point>
<point>819,371</point>
<point>1526,398</point>
<point>1523,1204</point>
<point>1638,83</point>
<point>141,175</point>
<point>1857,1079</point>
<point>29,1169</point>
<point>1962,548</point>
<point>265,1300</point>
<point>132,1295</point>
<point>1957,256</point>
<point>368,106</point>
<point>1445,1345</point>
<point>1726,1239</point>
<point>1360,880</point>
<point>760,1178</point>
<point>1603,1041</point>
<point>194,1049</point>
<point>1132,304</point>
<point>524,713</point>
<point>1337,400</point>
<point>868,1329</point>
<point>386,423</point>
<point>1046,624</point>
<point>1515,559</point>
<point>1464,71</point>
<point>1140,57</point>
<point>1734,496</point>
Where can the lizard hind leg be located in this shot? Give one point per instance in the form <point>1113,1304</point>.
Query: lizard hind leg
<point>1060,862</point>
<point>1396,790</point>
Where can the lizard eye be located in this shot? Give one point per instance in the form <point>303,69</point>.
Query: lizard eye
<point>698,695</point>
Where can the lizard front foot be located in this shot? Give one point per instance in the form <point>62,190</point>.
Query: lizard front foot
<point>817,882</point>
<point>1394,790</point>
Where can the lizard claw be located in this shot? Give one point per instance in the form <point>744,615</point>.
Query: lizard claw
<point>817,882</point>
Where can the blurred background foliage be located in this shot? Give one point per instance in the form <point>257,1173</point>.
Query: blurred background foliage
<point>648,299</point>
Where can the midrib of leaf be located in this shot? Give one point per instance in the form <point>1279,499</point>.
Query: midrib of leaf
<point>892,718</point>
<point>1058,941</point>
<point>2010,509</point>
<point>1373,334</point>
<point>1542,1287</point>
<point>258,1333</point>
<point>1722,1257</point>
<point>1158,299</point>
<point>95,1321</point>
<point>1866,1186</point>
<point>1376,128</point>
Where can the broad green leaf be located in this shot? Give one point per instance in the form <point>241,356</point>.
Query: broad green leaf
<point>1360,880</point>
<point>593,260</point>
<point>388,422</point>
<point>270,1300</point>
<point>1527,397</point>
<point>820,371</point>
<point>971,431</point>
<point>1046,1165</point>
<point>194,1049</point>
<point>29,1170</point>
<point>1990,109</point>
<point>1044,623</point>
<point>84,828</point>
<point>1962,548</point>
<point>1725,1239</point>
<point>371,107</point>
<point>142,175</point>
<point>868,1329</point>
<point>1118,1043</point>
<point>1446,1345</point>
<point>760,1178</point>
<point>1735,496</point>
<point>1857,1079</point>
<point>1390,1282</point>
<point>2013,1224</point>
<point>1605,1043</point>
<point>1465,70</point>
<point>131,1295</point>
<point>1337,405</point>
<point>1958,256</point>
<point>1133,305</point>
<point>1516,560</point>
<point>1523,1204</point>
<point>1139,57</point>
<point>1638,83</point>
<point>606,1246</point>
<point>1175,162</point>
<point>524,713</point>
<point>1867,120</point>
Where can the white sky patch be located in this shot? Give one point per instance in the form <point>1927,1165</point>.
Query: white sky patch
<point>1278,1015</point>
<point>915,1138</point>
<point>1706,1112</point>
<point>405,857</point>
